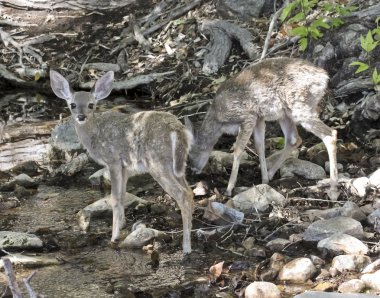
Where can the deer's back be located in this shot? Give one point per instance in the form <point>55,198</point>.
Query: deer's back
<point>136,140</point>
<point>271,88</point>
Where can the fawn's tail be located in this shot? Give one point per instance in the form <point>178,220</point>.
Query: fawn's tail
<point>181,143</point>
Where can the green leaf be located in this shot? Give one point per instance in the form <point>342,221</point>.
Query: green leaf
<point>287,10</point>
<point>377,20</point>
<point>303,44</point>
<point>315,33</point>
<point>376,33</point>
<point>328,7</point>
<point>375,77</point>
<point>367,43</point>
<point>320,22</point>
<point>336,22</point>
<point>300,31</point>
<point>361,66</point>
<point>298,17</point>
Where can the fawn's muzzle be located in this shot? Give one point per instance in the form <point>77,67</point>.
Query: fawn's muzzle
<point>81,117</point>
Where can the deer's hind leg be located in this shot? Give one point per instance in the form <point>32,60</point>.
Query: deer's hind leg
<point>179,190</point>
<point>292,141</point>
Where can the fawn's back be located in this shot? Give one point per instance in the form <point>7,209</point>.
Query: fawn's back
<point>140,141</point>
<point>270,88</point>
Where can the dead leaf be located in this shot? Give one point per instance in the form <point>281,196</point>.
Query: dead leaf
<point>216,270</point>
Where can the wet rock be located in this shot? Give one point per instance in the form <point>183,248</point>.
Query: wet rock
<point>262,289</point>
<point>25,181</point>
<point>313,214</point>
<point>360,185</point>
<point>102,208</point>
<point>313,294</point>
<point>349,262</point>
<point>350,209</point>
<point>298,270</point>
<point>303,168</point>
<point>220,160</point>
<point>8,203</point>
<point>322,229</point>
<point>258,198</point>
<point>221,214</point>
<point>277,244</point>
<point>352,286</point>
<point>241,9</point>
<point>141,237</point>
<point>374,178</point>
<point>30,168</point>
<point>342,244</point>
<point>372,280</point>
<point>30,261</point>
<point>374,218</point>
<point>371,268</point>
<point>16,240</point>
<point>101,178</point>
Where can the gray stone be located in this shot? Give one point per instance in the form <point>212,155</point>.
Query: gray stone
<point>101,177</point>
<point>373,219</point>
<point>30,261</point>
<point>313,214</point>
<point>343,244</point>
<point>258,198</point>
<point>142,236</point>
<point>25,181</point>
<point>262,289</point>
<point>360,185</point>
<point>372,280</point>
<point>220,160</point>
<point>102,208</point>
<point>277,244</point>
<point>303,168</point>
<point>374,178</point>
<point>64,138</point>
<point>322,229</point>
<point>314,294</point>
<point>352,286</point>
<point>16,240</point>
<point>371,268</point>
<point>243,9</point>
<point>350,262</point>
<point>297,270</point>
<point>350,209</point>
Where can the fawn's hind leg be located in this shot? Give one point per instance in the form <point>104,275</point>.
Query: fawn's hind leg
<point>292,141</point>
<point>179,190</point>
<point>329,138</point>
<point>259,136</point>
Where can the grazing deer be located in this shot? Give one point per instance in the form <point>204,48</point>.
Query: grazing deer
<point>153,142</point>
<point>284,89</point>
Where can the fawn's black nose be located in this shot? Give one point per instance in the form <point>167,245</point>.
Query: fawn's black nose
<point>81,117</point>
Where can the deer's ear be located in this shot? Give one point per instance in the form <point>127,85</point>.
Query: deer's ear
<point>189,125</point>
<point>60,85</point>
<point>103,86</point>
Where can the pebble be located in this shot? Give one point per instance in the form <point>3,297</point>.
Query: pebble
<point>342,244</point>
<point>262,289</point>
<point>298,270</point>
<point>372,280</point>
<point>350,262</point>
<point>352,286</point>
<point>16,240</point>
<point>293,166</point>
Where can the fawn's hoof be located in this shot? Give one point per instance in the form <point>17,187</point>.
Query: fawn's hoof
<point>114,244</point>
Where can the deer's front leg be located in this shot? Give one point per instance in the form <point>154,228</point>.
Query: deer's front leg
<point>118,188</point>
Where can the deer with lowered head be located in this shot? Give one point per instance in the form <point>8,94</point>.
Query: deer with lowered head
<point>144,142</point>
<point>281,89</point>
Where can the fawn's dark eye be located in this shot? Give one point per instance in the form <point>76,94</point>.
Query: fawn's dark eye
<point>90,106</point>
<point>73,105</point>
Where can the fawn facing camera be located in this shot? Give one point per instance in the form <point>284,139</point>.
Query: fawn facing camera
<point>145,142</point>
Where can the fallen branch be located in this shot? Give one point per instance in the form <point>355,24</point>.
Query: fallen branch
<point>221,33</point>
<point>12,282</point>
<point>139,36</point>
<point>130,83</point>
<point>175,14</point>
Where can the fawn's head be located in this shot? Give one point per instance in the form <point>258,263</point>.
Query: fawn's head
<point>81,104</point>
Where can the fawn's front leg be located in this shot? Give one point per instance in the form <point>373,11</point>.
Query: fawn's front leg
<point>118,188</point>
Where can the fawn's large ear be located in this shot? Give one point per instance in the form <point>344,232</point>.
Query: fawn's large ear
<point>189,125</point>
<point>60,85</point>
<point>103,86</point>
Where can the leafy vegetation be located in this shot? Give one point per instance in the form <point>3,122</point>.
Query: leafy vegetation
<point>368,44</point>
<point>309,18</point>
